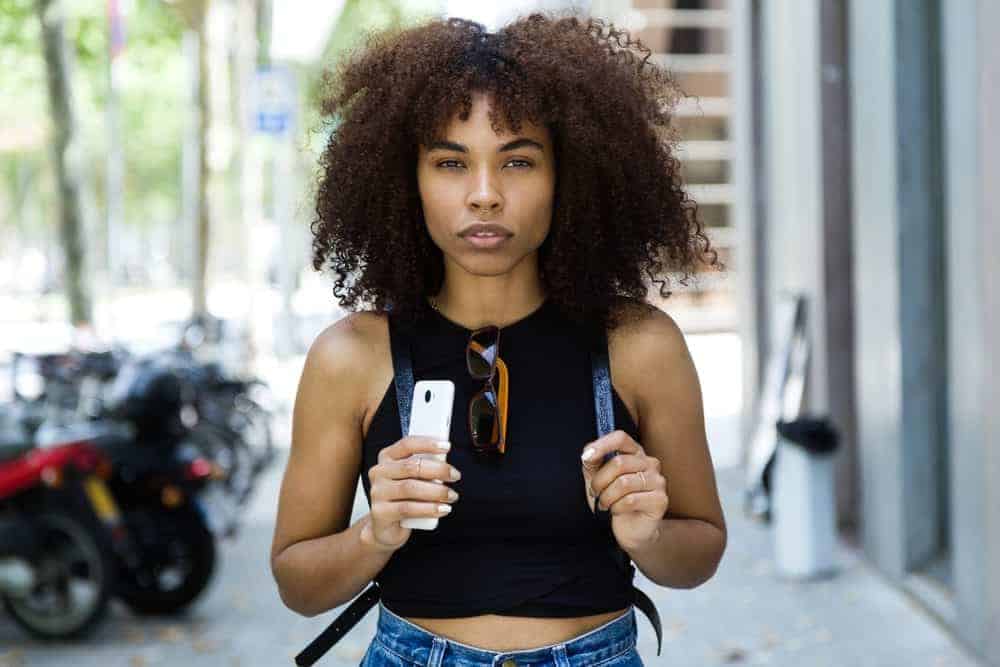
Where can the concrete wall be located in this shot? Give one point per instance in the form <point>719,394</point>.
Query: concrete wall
<point>925,78</point>
<point>971,58</point>
<point>804,179</point>
<point>790,113</point>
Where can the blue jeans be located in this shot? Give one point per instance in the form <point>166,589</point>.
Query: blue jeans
<point>399,643</point>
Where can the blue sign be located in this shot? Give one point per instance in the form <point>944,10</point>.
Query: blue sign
<point>274,100</point>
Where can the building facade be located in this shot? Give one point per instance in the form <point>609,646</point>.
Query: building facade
<point>877,142</point>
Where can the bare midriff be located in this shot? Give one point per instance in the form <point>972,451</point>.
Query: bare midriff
<point>512,633</point>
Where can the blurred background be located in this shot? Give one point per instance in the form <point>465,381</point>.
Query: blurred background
<point>157,165</point>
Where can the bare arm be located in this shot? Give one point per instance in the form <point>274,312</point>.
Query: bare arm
<point>318,561</point>
<point>654,363</point>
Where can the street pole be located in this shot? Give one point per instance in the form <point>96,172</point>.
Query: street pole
<point>251,205</point>
<point>115,160</point>
<point>190,156</point>
<point>284,165</point>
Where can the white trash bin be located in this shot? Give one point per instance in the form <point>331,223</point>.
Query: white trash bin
<point>803,508</point>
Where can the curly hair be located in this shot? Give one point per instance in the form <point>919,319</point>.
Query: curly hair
<point>619,212</point>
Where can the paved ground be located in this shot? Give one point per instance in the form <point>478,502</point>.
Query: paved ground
<point>744,615</point>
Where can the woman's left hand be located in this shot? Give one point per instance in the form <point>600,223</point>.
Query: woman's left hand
<point>630,485</point>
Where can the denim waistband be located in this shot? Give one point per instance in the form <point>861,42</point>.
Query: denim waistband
<point>411,642</point>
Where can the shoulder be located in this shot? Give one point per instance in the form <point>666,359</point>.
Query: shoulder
<point>646,343</point>
<point>642,328</point>
<point>353,352</point>
<point>346,345</point>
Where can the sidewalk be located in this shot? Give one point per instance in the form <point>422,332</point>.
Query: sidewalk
<point>747,614</point>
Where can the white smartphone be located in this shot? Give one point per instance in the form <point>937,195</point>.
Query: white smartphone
<point>430,416</point>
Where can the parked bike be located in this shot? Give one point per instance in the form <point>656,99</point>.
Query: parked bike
<point>185,443</point>
<point>61,534</point>
<point>164,484</point>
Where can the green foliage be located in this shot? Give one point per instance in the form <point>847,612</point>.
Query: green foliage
<point>151,95</point>
<point>357,19</point>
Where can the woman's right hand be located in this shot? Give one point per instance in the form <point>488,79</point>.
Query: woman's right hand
<point>404,485</point>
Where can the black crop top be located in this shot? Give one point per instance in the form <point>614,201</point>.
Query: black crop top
<point>521,539</point>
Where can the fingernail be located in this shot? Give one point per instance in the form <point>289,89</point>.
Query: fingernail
<point>587,453</point>
<point>452,495</point>
<point>443,445</point>
<point>444,508</point>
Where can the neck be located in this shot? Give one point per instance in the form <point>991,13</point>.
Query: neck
<point>477,301</point>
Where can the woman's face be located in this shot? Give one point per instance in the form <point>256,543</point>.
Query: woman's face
<point>472,175</point>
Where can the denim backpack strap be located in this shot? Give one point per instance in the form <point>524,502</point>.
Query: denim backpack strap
<point>604,408</point>
<point>402,365</point>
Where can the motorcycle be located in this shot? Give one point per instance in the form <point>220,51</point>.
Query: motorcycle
<point>178,434</point>
<point>164,484</point>
<point>61,533</point>
<point>168,523</point>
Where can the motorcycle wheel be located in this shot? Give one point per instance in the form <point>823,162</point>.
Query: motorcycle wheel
<point>76,574</point>
<point>177,560</point>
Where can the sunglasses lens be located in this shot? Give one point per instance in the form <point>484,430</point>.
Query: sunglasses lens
<point>481,353</point>
<point>483,424</point>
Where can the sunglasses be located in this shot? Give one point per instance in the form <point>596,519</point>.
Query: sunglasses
<point>488,408</point>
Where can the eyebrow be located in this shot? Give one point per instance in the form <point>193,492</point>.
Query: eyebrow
<point>521,142</point>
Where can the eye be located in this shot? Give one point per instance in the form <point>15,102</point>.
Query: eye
<point>455,164</point>
<point>523,163</point>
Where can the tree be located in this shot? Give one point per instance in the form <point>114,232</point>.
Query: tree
<point>67,158</point>
<point>194,13</point>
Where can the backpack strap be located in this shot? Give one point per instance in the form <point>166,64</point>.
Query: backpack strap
<point>402,366</point>
<point>339,627</point>
<point>604,408</point>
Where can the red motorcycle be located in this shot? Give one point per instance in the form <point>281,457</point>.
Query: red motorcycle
<point>60,534</point>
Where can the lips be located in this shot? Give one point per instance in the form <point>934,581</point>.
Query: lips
<point>485,231</point>
<point>485,237</point>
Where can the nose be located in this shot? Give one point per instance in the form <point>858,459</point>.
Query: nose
<point>485,199</point>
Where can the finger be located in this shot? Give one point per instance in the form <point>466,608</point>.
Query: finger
<point>413,508</point>
<point>415,489</point>
<point>410,445</point>
<point>419,467</point>
<point>394,511</point>
<point>595,452</point>
<point>630,482</point>
<point>623,464</point>
<point>650,502</point>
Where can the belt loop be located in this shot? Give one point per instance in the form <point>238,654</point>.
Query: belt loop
<point>559,656</point>
<point>436,658</point>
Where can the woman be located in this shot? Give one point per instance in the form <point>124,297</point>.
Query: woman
<point>524,180</point>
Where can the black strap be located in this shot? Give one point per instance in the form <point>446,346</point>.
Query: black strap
<point>336,630</point>
<point>402,364</point>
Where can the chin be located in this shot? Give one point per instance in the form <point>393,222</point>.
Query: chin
<point>495,265</point>
<point>488,268</point>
